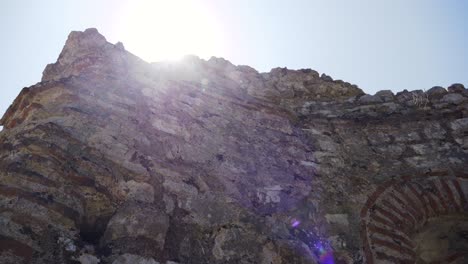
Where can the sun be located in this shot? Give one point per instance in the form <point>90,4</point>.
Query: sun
<point>167,30</point>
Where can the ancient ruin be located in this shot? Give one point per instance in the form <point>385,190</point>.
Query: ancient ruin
<point>110,159</point>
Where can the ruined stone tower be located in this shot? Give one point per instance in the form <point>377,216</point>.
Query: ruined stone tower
<point>110,159</point>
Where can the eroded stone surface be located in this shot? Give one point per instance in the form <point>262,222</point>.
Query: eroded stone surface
<point>207,162</point>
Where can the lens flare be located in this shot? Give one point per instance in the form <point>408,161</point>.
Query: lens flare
<point>325,254</point>
<point>159,30</point>
<point>295,223</point>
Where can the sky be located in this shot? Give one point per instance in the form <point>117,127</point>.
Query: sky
<point>376,44</point>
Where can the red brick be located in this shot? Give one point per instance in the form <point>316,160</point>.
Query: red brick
<point>439,195</point>
<point>59,208</point>
<point>405,205</point>
<point>421,200</point>
<point>410,201</point>
<point>365,242</point>
<point>456,256</point>
<point>399,212</point>
<point>391,234</point>
<point>456,183</point>
<point>431,204</point>
<point>450,196</point>
<point>399,224</point>
<point>17,248</point>
<point>393,259</point>
<point>371,200</point>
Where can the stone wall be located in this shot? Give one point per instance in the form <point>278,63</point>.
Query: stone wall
<point>115,160</point>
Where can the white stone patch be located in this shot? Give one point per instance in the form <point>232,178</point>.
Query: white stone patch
<point>337,242</point>
<point>312,131</point>
<point>134,259</point>
<point>169,204</point>
<point>171,126</point>
<point>454,160</point>
<point>308,163</point>
<point>67,243</point>
<point>205,82</point>
<point>137,191</point>
<point>339,219</point>
<point>270,255</point>
<point>420,149</point>
<point>180,188</point>
<point>459,124</point>
<point>327,144</point>
<point>88,259</point>
<point>270,194</point>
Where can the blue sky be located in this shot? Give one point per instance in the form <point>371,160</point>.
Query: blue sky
<point>398,44</point>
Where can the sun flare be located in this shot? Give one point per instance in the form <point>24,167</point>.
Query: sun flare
<point>167,30</point>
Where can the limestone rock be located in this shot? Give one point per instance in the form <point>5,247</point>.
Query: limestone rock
<point>326,78</point>
<point>134,259</point>
<point>88,259</point>
<point>436,92</point>
<point>385,95</point>
<point>137,223</point>
<point>456,88</point>
<point>366,99</point>
<point>454,98</point>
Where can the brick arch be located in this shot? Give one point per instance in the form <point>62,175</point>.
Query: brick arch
<point>399,208</point>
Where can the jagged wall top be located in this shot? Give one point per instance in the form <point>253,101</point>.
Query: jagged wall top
<point>89,51</point>
<point>83,51</point>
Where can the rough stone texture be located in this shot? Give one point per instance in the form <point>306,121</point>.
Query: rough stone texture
<point>110,159</point>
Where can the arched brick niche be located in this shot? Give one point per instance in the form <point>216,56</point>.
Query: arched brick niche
<point>396,218</point>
